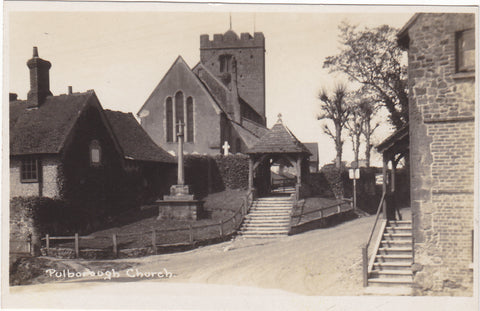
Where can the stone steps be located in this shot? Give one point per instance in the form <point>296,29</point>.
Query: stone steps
<point>394,257</point>
<point>268,218</point>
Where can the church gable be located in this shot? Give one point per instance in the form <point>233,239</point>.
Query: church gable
<point>180,95</point>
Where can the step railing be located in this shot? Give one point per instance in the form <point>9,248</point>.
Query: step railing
<point>367,266</point>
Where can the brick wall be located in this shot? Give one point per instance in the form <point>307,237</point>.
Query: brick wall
<point>442,144</point>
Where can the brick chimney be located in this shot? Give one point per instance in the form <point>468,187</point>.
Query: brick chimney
<point>39,79</point>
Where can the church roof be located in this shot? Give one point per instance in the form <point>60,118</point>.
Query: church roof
<point>313,148</point>
<point>134,141</point>
<point>44,129</point>
<point>278,139</point>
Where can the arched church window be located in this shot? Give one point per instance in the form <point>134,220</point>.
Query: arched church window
<point>179,111</point>
<point>95,153</point>
<point>169,117</point>
<point>189,123</point>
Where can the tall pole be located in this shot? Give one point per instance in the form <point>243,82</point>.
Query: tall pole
<point>354,189</point>
<point>180,172</point>
<point>384,187</point>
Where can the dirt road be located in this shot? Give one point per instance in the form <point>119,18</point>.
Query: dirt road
<point>243,274</point>
<point>321,262</point>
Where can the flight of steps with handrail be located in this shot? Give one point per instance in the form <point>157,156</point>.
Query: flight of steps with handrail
<point>393,261</point>
<point>269,217</point>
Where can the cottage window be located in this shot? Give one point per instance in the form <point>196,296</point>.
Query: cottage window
<point>169,123</point>
<point>29,170</point>
<point>95,153</point>
<point>465,44</point>
<point>189,119</point>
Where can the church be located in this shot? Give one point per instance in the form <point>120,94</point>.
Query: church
<point>220,101</point>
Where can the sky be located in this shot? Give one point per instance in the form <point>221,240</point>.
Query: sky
<point>123,54</point>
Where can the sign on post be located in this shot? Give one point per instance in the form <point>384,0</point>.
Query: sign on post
<point>354,173</point>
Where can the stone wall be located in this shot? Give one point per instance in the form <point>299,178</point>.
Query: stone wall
<point>442,144</point>
<point>249,53</point>
<point>47,186</point>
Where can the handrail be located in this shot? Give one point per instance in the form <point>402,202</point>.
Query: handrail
<point>365,248</point>
<point>376,219</point>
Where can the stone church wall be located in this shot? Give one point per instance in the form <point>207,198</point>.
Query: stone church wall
<point>442,137</point>
<point>249,53</point>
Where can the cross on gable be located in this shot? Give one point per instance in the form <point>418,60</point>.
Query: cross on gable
<point>226,147</point>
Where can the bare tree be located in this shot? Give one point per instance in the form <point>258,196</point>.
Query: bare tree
<point>355,126</point>
<point>334,108</point>
<point>371,56</point>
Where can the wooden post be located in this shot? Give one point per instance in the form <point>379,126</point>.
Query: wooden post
<point>115,246</point>
<point>190,233</point>
<point>221,229</point>
<point>384,186</point>
<point>365,265</point>
<point>77,248</point>
<point>392,178</point>
<point>154,241</point>
<point>47,242</point>
<point>250,173</point>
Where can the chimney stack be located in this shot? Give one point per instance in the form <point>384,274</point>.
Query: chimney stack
<point>12,97</point>
<point>70,90</point>
<point>39,79</point>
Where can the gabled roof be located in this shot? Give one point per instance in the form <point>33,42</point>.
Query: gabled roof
<point>253,127</point>
<point>313,148</point>
<point>44,130</point>
<point>278,139</point>
<point>215,87</point>
<point>248,138</point>
<point>134,141</point>
<point>395,142</point>
<point>180,64</point>
<point>402,35</point>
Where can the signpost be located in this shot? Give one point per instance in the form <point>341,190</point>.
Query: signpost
<point>354,174</point>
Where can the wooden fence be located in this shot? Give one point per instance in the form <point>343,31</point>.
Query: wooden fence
<point>320,213</point>
<point>185,236</point>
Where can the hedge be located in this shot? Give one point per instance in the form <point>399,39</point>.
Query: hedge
<point>208,174</point>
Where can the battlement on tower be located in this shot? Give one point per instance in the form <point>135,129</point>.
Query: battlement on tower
<point>231,40</point>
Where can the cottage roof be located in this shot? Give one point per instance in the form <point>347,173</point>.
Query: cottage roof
<point>45,129</point>
<point>134,141</point>
<point>279,139</point>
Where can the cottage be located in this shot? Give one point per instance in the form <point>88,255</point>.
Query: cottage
<point>66,146</point>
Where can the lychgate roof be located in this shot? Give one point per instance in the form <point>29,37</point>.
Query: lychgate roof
<point>279,139</point>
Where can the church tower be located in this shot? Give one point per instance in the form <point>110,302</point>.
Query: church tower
<point>247,54</point>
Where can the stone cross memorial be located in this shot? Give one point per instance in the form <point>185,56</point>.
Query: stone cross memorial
<point>180,204</point>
